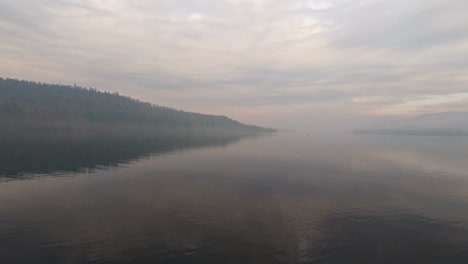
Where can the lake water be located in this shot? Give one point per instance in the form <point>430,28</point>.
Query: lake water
<point>286,198</point>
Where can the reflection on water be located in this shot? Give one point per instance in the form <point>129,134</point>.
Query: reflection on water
<point>282,199</point>
<point>48,155</point>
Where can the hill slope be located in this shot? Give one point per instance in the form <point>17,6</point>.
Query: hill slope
<point>27,100</point>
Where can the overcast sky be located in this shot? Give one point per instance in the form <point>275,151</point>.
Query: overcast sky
<point>269,62</point>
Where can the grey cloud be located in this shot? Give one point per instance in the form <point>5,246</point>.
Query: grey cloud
<point>211,55</point>
<point>405,25</point>
<point>266,99</point>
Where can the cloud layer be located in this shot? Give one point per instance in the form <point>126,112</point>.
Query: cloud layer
<point>261,61</point>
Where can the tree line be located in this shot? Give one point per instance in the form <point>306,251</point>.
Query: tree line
<point>28,99</point>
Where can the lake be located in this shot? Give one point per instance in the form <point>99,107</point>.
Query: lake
<point>284,198</point>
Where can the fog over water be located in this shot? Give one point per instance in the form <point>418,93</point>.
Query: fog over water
<point>233,131</point>
<point>287,198</point>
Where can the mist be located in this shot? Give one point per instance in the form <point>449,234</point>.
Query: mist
<point>233,131</point>
<point>302,65</point>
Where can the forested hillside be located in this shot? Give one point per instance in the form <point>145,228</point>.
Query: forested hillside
<point>26,100</point>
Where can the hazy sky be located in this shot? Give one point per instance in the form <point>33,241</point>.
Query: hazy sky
<point>268,62</point>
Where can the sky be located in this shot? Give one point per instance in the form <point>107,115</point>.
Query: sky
<point>286,64</point>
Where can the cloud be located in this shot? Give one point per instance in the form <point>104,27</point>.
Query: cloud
<point>247,59</point>
<point>404,25</point>
<point>432,102</point>
<point>195,18</point>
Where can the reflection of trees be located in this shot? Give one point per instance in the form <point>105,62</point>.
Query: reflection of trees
<point>62,153</point>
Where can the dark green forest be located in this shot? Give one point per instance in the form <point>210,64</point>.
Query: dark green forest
<point>41,105</point>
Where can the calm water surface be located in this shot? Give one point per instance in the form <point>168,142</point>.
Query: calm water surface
<point>288,198</point>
